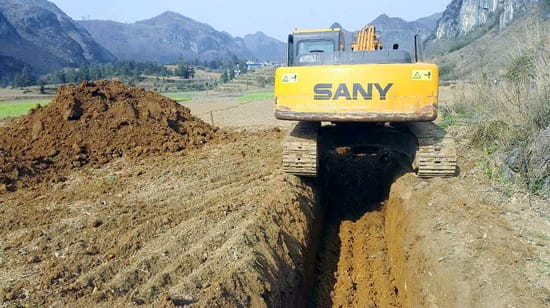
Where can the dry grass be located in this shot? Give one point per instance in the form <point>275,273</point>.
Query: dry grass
<point>510,116</point>
<point>489,55</point>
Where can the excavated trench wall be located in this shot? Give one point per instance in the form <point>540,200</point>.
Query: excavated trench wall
<point>355,255</point>
<point>397,223</point>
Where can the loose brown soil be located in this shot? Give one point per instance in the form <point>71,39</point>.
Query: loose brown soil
<point>213,221</point>
<point>354,267</point>
<point>92,124</point>
<point>451,248</point>
<point>220,226</point>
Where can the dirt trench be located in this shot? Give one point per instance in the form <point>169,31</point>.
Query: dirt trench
<point>388,239</point>
<point>353,267</point>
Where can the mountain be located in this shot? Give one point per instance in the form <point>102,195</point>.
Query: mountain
<point>35,33</point>
<point>493,53</point>
<point>464,16</point>
<point>396,30</point>
<point>169,36</point>
<point>265,48</point>
<point>466,20</point>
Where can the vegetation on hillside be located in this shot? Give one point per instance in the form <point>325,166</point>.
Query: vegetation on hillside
<point>127,71</point>
<point>511,117</point>
<point>545,7</point>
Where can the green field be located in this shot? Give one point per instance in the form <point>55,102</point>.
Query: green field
<point>179,96</point>
<point>255,96</point>
<point>17,108</point>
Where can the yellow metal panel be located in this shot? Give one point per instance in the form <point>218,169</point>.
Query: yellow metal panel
<point>360,88</point>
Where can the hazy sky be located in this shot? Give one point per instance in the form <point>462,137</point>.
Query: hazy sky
<point>275,18</point>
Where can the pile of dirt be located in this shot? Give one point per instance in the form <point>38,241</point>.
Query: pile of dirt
<point>92,124</point>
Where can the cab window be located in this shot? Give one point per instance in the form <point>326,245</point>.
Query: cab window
<point>305,47</point>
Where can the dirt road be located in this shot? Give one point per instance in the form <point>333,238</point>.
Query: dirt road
<point>221,225</point>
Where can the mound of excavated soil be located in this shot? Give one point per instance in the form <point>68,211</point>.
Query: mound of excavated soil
<point>92,124</point>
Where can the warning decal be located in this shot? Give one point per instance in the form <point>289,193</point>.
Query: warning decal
<point>290,78</point>
<point>422,75</point>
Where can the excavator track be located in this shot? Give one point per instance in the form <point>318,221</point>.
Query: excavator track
<point>300,149</point>
<point>436,154</point>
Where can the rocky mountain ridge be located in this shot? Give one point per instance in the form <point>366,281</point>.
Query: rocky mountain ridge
<point>492,55</point>
<point>464,21</point>
<point>169,36</point>
<point>396,30</point>
<point>37,34</point>
<point>465,16</point>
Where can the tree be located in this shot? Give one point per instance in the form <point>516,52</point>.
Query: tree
<point>545,6</point>
<point>122,69</point>
<point>24,78</point>
<point>234,60</point>
<point>28,79</point>
<point>60,77</point>
<point>84,73</point>
<point>42,86</point>
<point>96,73</point>
<point>190,72</point>
<point>225,76</point>
<point>72,76</point>
<point>184,71</point>
<point>243,67</point>
<point>214,64</point>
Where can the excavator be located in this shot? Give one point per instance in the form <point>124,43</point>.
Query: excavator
<point>369,100</point>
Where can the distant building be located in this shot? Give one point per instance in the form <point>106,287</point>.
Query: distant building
<point>253,64</point>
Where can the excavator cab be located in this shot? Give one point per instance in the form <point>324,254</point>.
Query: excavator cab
<point>304,43</point>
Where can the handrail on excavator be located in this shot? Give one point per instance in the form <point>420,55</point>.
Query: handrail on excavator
<point>366,39</point>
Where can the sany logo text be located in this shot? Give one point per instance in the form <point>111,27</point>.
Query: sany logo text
<point>327,91</point>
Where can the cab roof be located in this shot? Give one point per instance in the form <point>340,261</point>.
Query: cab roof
<point>317,30</point>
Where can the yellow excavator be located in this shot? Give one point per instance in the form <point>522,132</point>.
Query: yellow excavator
<point>369,100</point>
